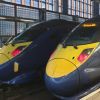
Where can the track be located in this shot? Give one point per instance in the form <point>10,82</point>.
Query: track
<point>26,92</point>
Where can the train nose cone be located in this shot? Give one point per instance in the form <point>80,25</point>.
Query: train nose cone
<point>62,77</point>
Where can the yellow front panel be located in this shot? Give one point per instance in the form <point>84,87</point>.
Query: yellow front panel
<point>70,52</point>
<point>7,50</point>
<point>57,68</point>
<point>3,58</point>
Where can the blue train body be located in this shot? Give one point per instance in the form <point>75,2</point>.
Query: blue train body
<point>34,57</point>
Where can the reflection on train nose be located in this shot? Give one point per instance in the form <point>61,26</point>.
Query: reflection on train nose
<point>62,77</point>
<point>63,86</point>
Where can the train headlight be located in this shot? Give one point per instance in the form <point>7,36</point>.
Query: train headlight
<point>84,55</point>
<point>17,51</point>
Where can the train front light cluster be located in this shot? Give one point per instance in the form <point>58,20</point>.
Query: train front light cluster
<point>84,55</point>
<point>17,51</point>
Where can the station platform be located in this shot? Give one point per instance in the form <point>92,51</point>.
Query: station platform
<point>31,91</point>
<point>92,96</point>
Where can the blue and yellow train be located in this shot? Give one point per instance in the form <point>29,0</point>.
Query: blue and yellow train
<point>74,67</point>
<point>27,53</point>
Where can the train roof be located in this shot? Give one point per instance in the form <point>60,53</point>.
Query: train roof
<point>51,24</point>
<point>96,19</point>
<point>54,22</point>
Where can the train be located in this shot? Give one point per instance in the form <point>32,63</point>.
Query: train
<point>24,56</point>
<point>73,70</point>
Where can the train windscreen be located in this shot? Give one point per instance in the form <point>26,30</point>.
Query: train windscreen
<point>29,35</point>
<point>85,33</point>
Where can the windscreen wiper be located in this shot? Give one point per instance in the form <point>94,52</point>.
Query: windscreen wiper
<point>7,42</point>
<point>64,44</point>
<point>74,45</point>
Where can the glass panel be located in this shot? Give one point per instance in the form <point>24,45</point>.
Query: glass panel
<point>36,3</point>
<point>51,1</point>
<point>8,0</point>
<point>82,8</point>
<point>27,2</point>
<point>69,3</point>
<point>50,7</point>
<point>18,1</point>
<point>43,5</point>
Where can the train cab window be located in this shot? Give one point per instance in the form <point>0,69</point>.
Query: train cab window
<point>30,34</point>
<point>83,34</point>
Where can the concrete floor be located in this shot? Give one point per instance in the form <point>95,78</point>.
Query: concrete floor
<point>40,96</point>
<point>28,92</point>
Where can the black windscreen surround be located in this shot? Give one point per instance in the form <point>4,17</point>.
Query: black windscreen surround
<point>29,35</point>
<point>87,32</point>
<point>36,30</point>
